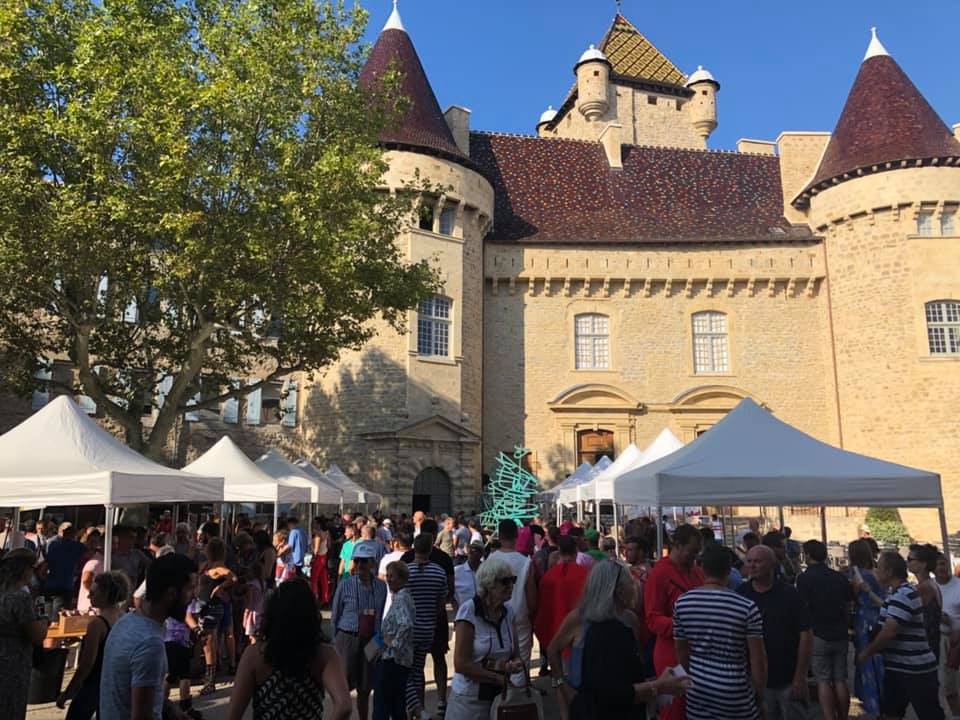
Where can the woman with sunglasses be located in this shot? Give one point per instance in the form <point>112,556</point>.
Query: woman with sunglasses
<point>486,650</point>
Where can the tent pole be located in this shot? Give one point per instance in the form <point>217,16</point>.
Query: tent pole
<point>823,524</point>
<point>616,532</point>
<point>780,516</point>
<point>659,532</point>
<point>276,514</point>
<point>108,540</point>
<point>944,536</point>
<point>16,528</point>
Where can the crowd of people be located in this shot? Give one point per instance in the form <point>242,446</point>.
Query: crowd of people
<point>760,628</point>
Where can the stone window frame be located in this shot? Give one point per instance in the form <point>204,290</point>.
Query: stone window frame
<point>943,327</point>
<point>712,334</point>
<point>427,317</point>
<point>595,335</point>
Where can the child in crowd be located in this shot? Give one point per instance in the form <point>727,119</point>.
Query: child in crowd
<point>253,602</point>
<point>285,570</point>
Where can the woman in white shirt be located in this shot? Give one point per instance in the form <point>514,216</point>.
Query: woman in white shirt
<point>486,644</point>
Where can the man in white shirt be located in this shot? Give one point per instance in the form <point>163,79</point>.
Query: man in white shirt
<point>402,542</point>
<point>949,587</point>
<point>464,576</point>
<point>524,598</point>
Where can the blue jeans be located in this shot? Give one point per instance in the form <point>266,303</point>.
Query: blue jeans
<point>389,685</point>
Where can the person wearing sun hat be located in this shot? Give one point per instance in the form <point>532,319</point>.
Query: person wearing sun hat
<point>355,614</point>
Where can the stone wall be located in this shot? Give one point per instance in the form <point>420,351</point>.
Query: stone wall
<point>777,329</point>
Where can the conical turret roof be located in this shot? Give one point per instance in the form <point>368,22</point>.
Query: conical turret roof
<point>885,124</point>
<point>422,127</point>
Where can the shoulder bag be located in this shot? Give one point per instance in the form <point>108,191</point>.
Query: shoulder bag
<point>517,703</point>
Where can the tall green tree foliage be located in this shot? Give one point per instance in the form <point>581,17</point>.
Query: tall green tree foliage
<point>189,193</point>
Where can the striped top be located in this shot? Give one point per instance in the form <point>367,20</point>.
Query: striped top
<point>910,651</point>
<point>428,585</point>
<point>716,624</point>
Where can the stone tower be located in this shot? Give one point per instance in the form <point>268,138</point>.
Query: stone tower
<point>407,408</point>
<point>884,198</point>
<point>593,84</point>
<point>703,105</point>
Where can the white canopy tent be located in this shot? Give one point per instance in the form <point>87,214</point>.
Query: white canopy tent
<point>752,458</point>
<point>553,493</point>
<point>274,464</point>
<point>351,492</point>
<point>592,487</point>
<point>60,456</point>
<point>243,480</point>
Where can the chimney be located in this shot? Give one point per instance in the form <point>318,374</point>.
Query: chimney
<point>458,120</point>
<point>611,137</point>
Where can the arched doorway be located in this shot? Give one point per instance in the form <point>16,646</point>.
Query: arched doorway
<point>593,445</point>
<point>431,491</point>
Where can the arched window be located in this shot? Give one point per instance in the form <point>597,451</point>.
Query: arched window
<point>433,326</point>
<point>943,327</point>
<point>592,341</point>
<point>710,354</point>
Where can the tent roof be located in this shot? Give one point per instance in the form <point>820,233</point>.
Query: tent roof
<point>243,480</point>
<point>602,482</point>
<point>751,457</point>
<point>335,478</point>
<point>663,444</point>
<point>574,478</point>
<point>59,456</point>
<point>274,464</point>
<point>577,491</point>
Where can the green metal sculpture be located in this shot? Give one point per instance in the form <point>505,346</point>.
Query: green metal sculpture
<point>511,491</point>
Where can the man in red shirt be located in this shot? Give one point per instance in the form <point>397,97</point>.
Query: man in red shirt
<point>559,591</point>
<point>670,578</point>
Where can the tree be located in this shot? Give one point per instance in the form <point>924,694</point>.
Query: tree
<point>189,194</point>
<point>886,527</point>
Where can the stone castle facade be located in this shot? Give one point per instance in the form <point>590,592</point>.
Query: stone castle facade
<point>608,276</point>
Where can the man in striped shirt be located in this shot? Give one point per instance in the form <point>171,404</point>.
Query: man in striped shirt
<point>909,665</point>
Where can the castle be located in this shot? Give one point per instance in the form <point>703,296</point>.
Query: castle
<point>608,276</point>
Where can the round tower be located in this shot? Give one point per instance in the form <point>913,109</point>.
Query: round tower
<point>703,104</point>
<point>593,84</point>
<point>546,117</point>
<point>885,200</point>
<point>431,378</point>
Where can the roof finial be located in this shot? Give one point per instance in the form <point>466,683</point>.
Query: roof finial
<point>394,22</point>
<point>875,47</point>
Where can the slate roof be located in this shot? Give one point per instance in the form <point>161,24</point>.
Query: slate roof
<point>422,128</point>
<point>884,120</point>
<point>550,190</point>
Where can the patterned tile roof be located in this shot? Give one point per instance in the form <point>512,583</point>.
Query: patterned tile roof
<point>422,128</point>
<point>551,190</point>
<point>885,120</point>
<point>632,55</point>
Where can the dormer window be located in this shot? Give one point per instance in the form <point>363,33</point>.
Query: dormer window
<point>925,223</point>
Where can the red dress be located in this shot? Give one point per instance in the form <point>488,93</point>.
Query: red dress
<point>559,593</point>
<point>665,583</point>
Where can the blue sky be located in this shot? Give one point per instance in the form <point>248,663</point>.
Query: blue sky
<point>779,69</point>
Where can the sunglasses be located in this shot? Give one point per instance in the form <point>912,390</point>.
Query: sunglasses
<point>512,580</point>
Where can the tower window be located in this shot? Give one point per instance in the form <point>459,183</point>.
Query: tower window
<point>925,223</point>
<point>446,221</point>
<point>943,327</point>
<point>433,326</point>
<point>425,221</point>
<point>651,99</point>
<point>592,341</point>
<point>596,73</point>
<point>710,353</point>
<point>948,222</point>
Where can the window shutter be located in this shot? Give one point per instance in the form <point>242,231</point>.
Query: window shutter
<point>41,397</point>
<point>87,404</point>
<point>131,313</point>
<point>290,403</point>
<point>253,405</point>
<point>192,415</point>
<point>163,389</point>
<point>231,406</point>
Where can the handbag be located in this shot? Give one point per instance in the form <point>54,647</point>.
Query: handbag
<point>517,703</point>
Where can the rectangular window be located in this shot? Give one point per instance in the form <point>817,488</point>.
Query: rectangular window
<point>230,408</point>
<point>710,353</point>
<point>253,404</point>
<point>446,220</point>
<point>425,219</point>
<point>947,223</point>
<point>433,326</point>
<point>289,403</point>
<point>943,327</point>
<point>592,342</point>
<point>925,223</point>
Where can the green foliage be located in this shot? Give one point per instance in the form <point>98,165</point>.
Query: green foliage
<point>211,164</point>
<point>886,527</point>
